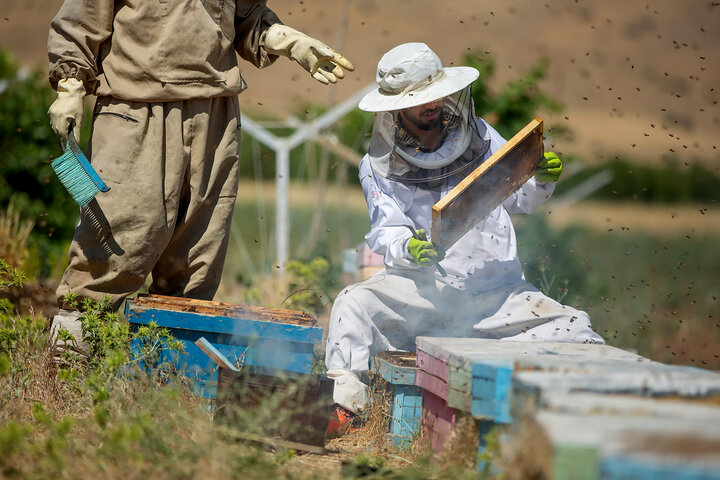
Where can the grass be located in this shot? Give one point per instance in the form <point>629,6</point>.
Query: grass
<point>656,294</point>
<point>104,418</point>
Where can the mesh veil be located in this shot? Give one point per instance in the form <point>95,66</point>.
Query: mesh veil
<point>397,155</point>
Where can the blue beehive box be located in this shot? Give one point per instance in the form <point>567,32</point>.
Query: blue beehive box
<point>398,370</point>
<point>270,340</point>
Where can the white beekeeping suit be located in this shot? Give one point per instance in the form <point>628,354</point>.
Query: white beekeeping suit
<point>479,289</point>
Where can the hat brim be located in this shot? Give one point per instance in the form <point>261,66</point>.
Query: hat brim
<point>453,80</point>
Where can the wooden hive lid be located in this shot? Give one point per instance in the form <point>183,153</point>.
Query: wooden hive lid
<point>229,310</point>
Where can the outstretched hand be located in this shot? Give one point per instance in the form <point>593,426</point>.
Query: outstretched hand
<point>324,64</point>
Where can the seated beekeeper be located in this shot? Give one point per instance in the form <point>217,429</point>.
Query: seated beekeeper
<point>425,140</point>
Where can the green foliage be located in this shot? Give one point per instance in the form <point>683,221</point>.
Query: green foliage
<point>309,285</point>
<point>28,144</point>
<point>9,277</point>
<point>667,183</point>
<point>517,103</point>
<point>153,342</point>
<point>108,339</point>
<point>103,332</point>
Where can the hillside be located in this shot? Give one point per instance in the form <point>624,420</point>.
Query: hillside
<point>636,78</point>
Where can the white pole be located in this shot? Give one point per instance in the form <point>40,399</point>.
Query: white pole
<point>282,218</point>
<point>282,147</point>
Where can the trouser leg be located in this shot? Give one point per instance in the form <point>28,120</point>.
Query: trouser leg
<point>521,312</point>
<point>170,202</point>
<point>385,312</point>
<point>191,264</point>
<point>388,311</point>
<point>122,231</point>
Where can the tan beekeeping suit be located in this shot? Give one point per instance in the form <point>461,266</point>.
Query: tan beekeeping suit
<point>164,138</point>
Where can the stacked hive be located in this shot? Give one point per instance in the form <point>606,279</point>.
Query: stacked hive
<point>597,407</point>
<point>398,370</point>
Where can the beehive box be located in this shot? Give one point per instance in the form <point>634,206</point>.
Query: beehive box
<point>272,340</point>
<point>438,419</point>
<point>290,410</point>
<point>300,403</point>
<point>617,437</point>
<point>398,370</point>
<point>497,381</point>
<point>482,374</point>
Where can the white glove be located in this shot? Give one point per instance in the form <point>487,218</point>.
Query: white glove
<point>321,61</point>
<point>68,106</point>
<point>68,320</point>
<point>349,392</point>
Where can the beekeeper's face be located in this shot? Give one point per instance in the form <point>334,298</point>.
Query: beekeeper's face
<point>425,117</point>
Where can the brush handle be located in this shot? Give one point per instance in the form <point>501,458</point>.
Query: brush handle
<point>73,146</point>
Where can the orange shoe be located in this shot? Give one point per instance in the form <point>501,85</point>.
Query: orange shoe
<point>341,421</point>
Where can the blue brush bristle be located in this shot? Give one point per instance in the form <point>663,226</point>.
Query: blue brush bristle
<point>76,180</point>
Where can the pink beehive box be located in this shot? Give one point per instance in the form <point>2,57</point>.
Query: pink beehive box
<point>368,258</point>
<point>438,420</point>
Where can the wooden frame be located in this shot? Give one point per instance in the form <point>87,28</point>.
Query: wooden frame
<point>488,185</point>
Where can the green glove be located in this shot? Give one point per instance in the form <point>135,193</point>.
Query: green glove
<point>423,252</point>
<point>549,168</point>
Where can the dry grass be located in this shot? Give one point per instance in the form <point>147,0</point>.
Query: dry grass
<point>370,438</point>
<point>461,448</point>
<point>528,455</point>
<point>14,234</point>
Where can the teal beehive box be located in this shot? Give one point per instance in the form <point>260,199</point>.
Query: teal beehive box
<point>273,341</point>
<point>398,370</point>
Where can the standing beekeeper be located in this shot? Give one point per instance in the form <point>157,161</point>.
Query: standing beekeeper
<point>425,140</point>
<point>165,134</point>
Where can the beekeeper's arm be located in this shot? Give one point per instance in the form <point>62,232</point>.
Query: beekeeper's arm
<point>253,19</point>
<point>387,236</point>
<point>75,36</point>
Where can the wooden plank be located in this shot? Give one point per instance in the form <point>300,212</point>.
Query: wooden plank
<point>630,445</point>
<point>406,414</point>
<point>488,185</point>
<point>248,328</point>
<point>436,347</point>
<point>487,396</point>
<point>622,437</point>
<point>453,350</point>
<point>431,383</point>
<point>497,368</point>
<point>680,381</point>
<point>397,368</point>
<point>614,404</point>
<point>438,420</point>
<point>221,309</point>
<point>295,357</point>
<point>432,365</point>
<point>214,354</point>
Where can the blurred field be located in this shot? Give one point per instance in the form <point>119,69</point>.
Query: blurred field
<point>645,273</point>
